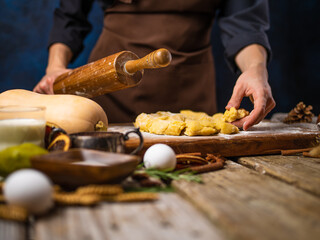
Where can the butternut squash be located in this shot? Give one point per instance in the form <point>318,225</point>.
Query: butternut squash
<point>69,112</point>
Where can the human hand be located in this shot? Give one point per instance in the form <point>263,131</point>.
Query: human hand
<point>252,83</point>
<point>45,85</point>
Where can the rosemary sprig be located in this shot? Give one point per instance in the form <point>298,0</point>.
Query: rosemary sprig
<point>183,174</point>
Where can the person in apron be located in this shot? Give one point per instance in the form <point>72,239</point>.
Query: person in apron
<point>184,28</point>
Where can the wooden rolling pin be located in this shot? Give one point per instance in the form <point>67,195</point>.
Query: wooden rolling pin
<point>118,71</point>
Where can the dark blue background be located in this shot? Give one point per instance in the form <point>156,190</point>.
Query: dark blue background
<point>294,36</point>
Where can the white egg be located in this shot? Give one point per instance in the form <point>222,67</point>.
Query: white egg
<point>160,156</point>
<point>30,189</point>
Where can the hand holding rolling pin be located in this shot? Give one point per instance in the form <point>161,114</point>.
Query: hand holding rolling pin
<point>59,58</point>
<point>112,73</point>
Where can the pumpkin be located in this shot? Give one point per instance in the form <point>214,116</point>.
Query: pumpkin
<point>69,112</point>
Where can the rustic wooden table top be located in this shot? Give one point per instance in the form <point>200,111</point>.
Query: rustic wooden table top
<point>259,197</point>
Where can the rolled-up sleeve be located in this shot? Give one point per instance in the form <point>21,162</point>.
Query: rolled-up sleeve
<point>71,25</point>
<point>243,22</point>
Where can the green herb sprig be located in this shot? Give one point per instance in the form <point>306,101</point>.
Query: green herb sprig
<point>183,174</point>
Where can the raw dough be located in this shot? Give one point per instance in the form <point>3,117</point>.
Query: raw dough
<point>187,122</point>
<point>234,114</point>
<point>198,123</point>
<point>222,126</point>
<point>161,123</point>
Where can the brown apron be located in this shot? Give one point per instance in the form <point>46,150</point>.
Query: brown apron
<point>181,26</point>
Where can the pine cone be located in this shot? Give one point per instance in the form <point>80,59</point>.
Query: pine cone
<point>301,113</point>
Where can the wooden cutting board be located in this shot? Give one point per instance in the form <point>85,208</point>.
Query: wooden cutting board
<point>265,138</point>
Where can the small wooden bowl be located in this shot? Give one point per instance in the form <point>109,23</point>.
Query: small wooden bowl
<point>78,167</point>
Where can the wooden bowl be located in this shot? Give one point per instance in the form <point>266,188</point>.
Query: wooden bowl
<point>78,167</point>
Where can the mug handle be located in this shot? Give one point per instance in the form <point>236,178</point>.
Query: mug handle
<point>52,133</point>
<point>136,131</point>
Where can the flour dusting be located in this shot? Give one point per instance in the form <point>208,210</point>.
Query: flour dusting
<point>263,128</point>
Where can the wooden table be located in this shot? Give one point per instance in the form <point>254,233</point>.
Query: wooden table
<point>259,197</point>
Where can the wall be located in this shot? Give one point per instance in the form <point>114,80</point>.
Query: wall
<point>294,37</point>
<point>25,26</point>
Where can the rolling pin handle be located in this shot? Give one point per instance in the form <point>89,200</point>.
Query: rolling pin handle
<point>156,59</point>
<point>162,57</point>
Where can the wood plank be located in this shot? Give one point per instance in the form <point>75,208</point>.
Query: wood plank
<point>171,217</point>
<point>300,171</point>
<point>11,230</point>
<point>248,205</point>
<point>265,138</point>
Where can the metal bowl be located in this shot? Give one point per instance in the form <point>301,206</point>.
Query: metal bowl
<point>104,141</point>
